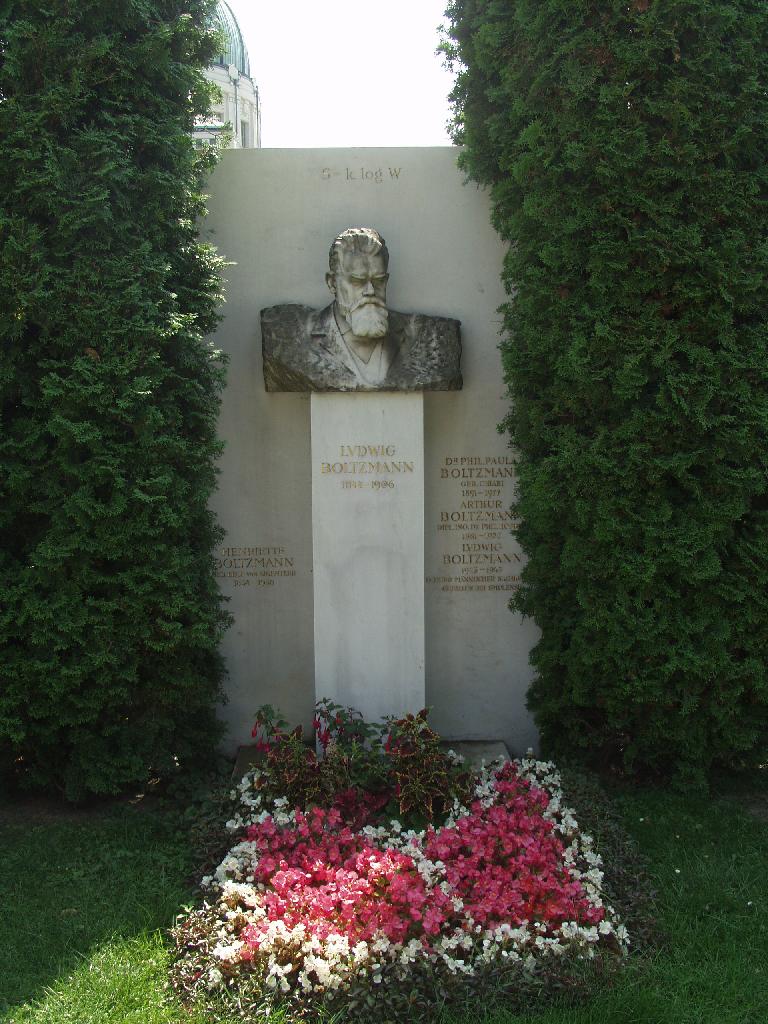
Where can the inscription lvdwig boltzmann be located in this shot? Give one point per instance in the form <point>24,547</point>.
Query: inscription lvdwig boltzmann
<point>380,463</point>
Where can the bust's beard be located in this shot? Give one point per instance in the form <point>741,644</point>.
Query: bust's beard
<point>368,320</point>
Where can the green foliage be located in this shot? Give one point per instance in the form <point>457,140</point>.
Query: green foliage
<point>96,884</point>
<point>116,871</point>
<point>426,779</point>
<point>109,616</point>
<point>397,767</point>
<point>625,144</point>
<point>627,883</point>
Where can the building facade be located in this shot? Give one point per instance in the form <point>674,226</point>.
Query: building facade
<point>238,110</point>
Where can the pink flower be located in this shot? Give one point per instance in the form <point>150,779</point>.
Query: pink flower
<point>505,862</point>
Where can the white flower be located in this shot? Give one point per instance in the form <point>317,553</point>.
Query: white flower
<point>213,977</point>
<point>227,952</point>
<point>331,963</point>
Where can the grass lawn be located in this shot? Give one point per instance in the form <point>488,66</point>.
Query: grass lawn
<point>85,897</point>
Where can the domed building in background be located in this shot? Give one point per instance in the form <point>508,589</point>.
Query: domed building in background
<point>239,104</point>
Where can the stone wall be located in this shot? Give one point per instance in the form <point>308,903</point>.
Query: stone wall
<point>274,214</point>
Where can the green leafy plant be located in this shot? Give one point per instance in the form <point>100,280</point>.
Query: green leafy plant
<point>292,768</point>
<point>314,912</point>
<point>110,616</point>
<point>624,145</point>
<point>426,780</point>
<point>397,766</point>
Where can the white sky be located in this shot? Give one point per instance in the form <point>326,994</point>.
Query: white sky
<point>347,72</point>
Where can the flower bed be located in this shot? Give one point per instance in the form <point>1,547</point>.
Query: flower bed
<point>337,904</point>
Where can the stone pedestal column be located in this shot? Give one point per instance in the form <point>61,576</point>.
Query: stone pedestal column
<point>368,550</point>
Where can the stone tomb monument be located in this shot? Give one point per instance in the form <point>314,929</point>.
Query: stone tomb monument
<point>365,490</point>
<point>367,470</point>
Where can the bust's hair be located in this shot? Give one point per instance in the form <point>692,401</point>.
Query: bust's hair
<point>364,240</point>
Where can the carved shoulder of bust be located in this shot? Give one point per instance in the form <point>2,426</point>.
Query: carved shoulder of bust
<point>430,358</point>
<point>280,327</point>
<point>303,351</point>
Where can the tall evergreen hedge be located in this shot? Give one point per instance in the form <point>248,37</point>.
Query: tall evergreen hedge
<point>109,613</point>
<point>626,146</point>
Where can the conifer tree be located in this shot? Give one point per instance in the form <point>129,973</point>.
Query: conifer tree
<point>109,614</point>
<point>625,143</point>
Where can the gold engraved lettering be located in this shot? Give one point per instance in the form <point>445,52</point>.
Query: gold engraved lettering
<point>359,450</point>
<point>476,473</point>
<point>481,516</point>
<point>477,559</point>
<point>363,468</point>
<point>244,565</point>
